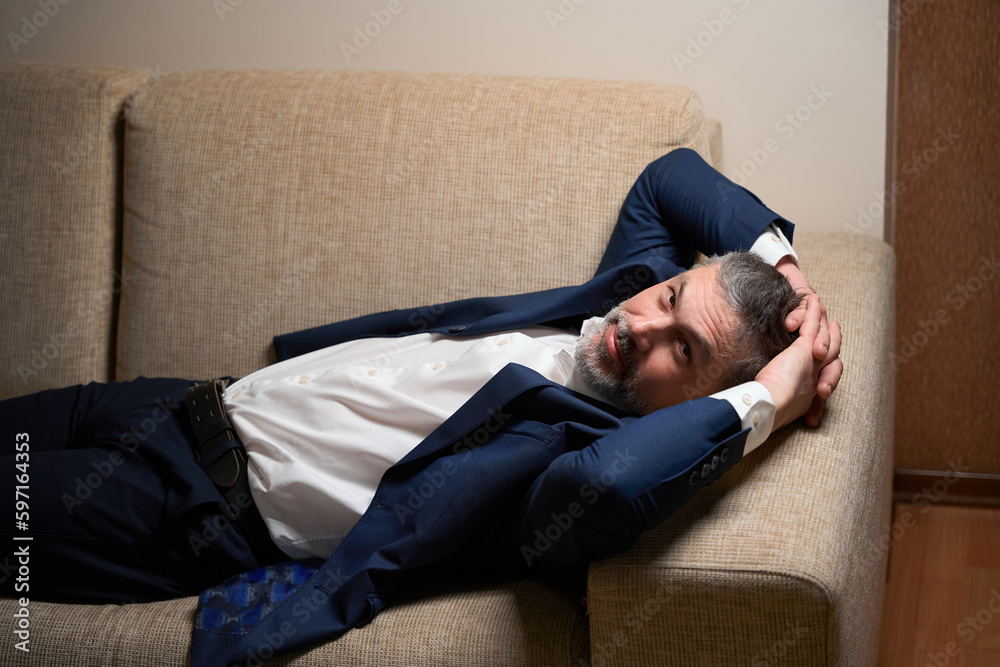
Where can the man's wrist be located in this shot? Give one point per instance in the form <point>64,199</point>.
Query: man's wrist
<point>773,246</point>
<point>755,408</point>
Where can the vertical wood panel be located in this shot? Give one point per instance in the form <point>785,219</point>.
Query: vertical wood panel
<point>947,235</point>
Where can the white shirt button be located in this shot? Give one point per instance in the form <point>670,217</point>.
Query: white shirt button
<point>304,380</point>
<point>438,366</point>
<point>502,342</point>
<point>747,399</point>
<point>775,238</point>
<point>756,418</point>
<point>237,394</point>
<point>372,372</point>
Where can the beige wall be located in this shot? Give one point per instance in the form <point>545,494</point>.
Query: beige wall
<point>800,87</point>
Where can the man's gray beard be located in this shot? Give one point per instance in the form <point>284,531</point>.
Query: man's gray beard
<point>592,358</point>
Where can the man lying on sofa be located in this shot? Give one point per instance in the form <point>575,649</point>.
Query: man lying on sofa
<point>531,433</point>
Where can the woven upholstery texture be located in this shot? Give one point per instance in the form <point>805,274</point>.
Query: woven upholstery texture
<point>60,142</point>
<point>461,622</point>
<point>259,203</point>
<point>784,554</point>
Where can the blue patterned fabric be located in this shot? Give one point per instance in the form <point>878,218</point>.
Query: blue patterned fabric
<point>238,603</point>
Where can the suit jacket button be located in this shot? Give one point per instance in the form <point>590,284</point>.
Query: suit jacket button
<point>693,479</point>
<point>456,329</point>
<point>715,462</point>
<point>724,455</point>
<point>705,469</point>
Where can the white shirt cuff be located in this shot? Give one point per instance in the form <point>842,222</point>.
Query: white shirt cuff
<point>772,245</point>
<point>755,407</point>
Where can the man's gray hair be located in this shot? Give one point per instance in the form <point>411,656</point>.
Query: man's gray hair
<point>761,297</point>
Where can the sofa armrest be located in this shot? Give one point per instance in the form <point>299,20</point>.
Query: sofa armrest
<point>783,559</point>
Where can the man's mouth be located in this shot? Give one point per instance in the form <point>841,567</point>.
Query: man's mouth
<point>612,344</point>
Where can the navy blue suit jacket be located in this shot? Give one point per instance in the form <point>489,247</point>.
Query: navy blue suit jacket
<point>528,475</point>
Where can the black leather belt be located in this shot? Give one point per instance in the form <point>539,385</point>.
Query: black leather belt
<point>224,460</point>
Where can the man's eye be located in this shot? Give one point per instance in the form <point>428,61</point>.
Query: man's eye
<point>671,297</point>
<point>686,350</point>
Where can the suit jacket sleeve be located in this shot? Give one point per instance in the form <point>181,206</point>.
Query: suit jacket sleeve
<point>594,502</point>
<point>680,205</point>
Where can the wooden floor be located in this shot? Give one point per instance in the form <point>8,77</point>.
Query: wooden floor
<point>942,604</point>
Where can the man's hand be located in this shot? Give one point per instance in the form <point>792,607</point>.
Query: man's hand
<point>798,379</point>
<point>790,269</point>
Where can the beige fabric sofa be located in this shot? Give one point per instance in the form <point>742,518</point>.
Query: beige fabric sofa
<point>171,226</point>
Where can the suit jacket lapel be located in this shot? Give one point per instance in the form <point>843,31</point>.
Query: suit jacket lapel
<point>480,412</point>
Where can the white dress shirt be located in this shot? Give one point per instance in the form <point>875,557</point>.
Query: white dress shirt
<point>320,429</point>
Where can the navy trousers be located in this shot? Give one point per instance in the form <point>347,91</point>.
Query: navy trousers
<point>115,503</point>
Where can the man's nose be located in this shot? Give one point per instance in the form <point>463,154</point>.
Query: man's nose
<point>646,332</point>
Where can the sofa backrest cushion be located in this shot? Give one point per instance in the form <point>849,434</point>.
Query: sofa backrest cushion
<point>60,138</point>
<point>263,202</point>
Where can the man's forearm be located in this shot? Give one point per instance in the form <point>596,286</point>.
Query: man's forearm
<point>595,502</point>
<point>680,204</point>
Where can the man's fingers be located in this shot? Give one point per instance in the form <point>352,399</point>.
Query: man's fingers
<point>821,344</point>
<point>810,326</point>
<point>815,412</point>
<point>829,378</point>
<point>836,337</point>
<point>794,319</point>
